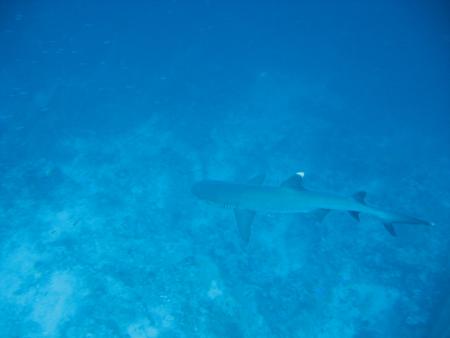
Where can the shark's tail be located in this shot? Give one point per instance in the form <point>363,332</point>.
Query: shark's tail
<point>392,219</point>
<point>388,218</point>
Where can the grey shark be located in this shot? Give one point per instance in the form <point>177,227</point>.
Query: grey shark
<point>290,197</point>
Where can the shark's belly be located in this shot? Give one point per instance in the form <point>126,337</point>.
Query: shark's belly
<point>276,202</point>
<point>287,201</point>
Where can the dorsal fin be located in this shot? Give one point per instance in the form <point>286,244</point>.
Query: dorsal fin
<point>360,197</point>
<point>257,180</point>
<point>295,181</point>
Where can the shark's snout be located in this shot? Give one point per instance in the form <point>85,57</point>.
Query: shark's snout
<point>208,190</point>
<point>195,189</point>
<point>198,189</point>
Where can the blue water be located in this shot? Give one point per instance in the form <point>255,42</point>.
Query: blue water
<point>110,111</point>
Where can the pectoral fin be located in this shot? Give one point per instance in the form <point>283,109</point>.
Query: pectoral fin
<point>244,219</point>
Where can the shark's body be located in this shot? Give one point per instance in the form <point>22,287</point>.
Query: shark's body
<point>290,197</point>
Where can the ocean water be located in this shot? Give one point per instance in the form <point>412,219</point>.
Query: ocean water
<point>110,111</point>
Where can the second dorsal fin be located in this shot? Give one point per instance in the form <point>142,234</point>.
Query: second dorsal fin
<point>360,197</point>
<point>295,181</point>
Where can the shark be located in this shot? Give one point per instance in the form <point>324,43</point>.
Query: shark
<point>289,197</point>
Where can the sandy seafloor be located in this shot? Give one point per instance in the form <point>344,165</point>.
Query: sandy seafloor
<point>109,114</point>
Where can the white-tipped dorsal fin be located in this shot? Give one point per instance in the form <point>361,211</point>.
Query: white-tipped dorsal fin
<point>295,181</point>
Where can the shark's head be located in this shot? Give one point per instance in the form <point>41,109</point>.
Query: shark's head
<point>216,192</point>
<point>201,190</point>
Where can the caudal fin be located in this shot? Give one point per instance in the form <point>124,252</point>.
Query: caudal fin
<point>388,218</point>
<point>397,219</point>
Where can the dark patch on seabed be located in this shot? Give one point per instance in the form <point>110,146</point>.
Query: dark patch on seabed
<point>109,112</point>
